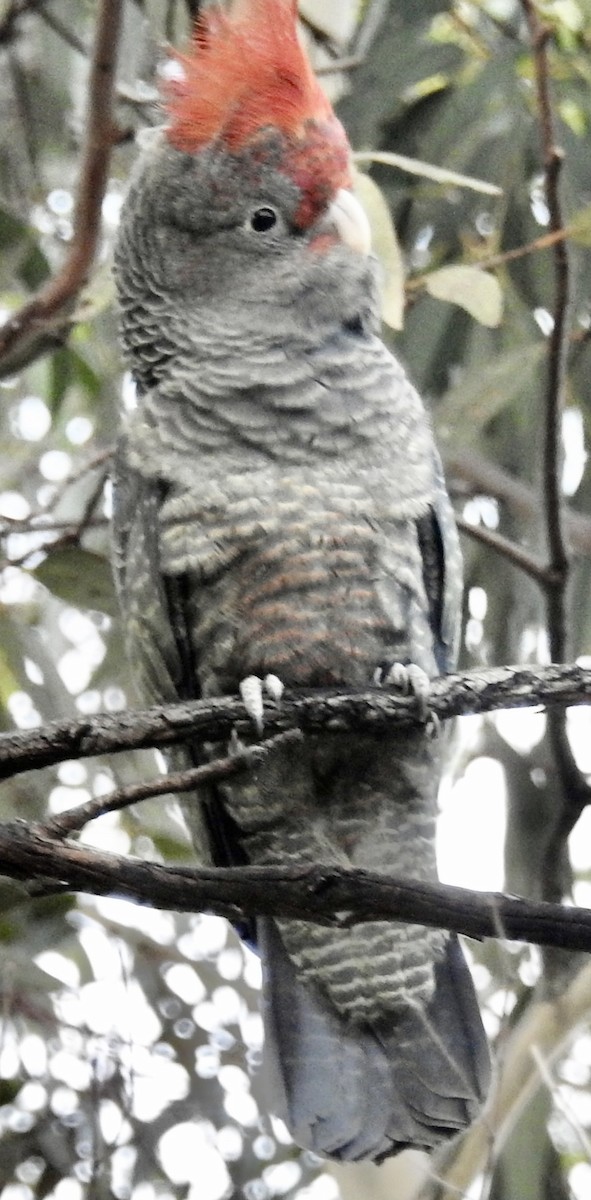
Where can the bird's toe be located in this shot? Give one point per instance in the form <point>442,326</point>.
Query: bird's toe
<point>411,680</point>
<point>253,690</point>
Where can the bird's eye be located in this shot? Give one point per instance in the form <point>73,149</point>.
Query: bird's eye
<point>263,219</point>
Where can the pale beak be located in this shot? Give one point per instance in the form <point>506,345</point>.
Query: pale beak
<point>349,219</point>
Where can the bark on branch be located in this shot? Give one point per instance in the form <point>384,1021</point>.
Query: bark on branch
<point>324,895</point>
<point>39,855</point>
<point>373,711</point>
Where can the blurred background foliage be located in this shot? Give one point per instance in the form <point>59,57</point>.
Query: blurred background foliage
<point>129,1040</point>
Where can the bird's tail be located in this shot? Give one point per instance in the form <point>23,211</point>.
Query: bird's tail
<point>351,1091</point>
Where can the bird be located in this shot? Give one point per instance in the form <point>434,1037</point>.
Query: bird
<point>281,518</point>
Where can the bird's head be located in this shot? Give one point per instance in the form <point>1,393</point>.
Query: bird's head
<point>245,198</point>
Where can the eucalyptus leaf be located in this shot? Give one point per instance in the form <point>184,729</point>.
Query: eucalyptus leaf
<point>414,166</point>
<point>60,376</point>
<point>9,681</point>
<point>386,246</point>
<point>21,256</point>
<point>79,578</point>
<point>476,291</point>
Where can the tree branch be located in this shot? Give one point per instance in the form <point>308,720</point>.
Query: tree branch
<point>575,789</point>
<point>178,782</point>
<point>67,533</point>
<point>324,895</point>
<point>213,720</point>
<point>43,323</point>
<point>484,477</point>
<point>552,499</point>
<point>514,554</point>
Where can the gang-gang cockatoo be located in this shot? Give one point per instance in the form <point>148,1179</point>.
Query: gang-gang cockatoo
<point>280,511</point>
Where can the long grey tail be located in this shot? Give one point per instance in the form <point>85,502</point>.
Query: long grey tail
<point>354,1092</point>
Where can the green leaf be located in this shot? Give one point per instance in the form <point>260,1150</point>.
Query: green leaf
<point>21,255</point>
<point>385,244</point>
<point>60,377</point>
<point>414,166</point>
<point>80,578</point>
<point>476,291</point>
<point>66,368</point>
<point>9,681</point>
<point>9,1090</point>
<point>173,850</point>
<point>88,379</point>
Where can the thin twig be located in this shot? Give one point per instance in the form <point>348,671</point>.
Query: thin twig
<point>560,1101</point>
<point>486,478</point>
<point>552,499</point>
<point>23,110</point>
<point>575,789</point>
<point>177,783</point>
<point>33,524</point>
<point>64,32</point>
<point>73,532</point>
<point>493,261</point>
<point>340,64</point>
<point>520,558</point>
<point>100,458</point>
<point>331,712</point>
<point>320,35</point>
<point>44,321</point>
<point>69,532</point>
<point>544,242</point>
<point>373,15</point>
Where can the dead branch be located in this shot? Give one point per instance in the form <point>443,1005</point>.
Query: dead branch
<point>324,895</point>
<point>178,783</point>
<point>514,554</point>
<point>213,720</point>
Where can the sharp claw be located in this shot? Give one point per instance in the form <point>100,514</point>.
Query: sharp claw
<point>274,687</point>
<point>251,691</point>
<point>411,680</point>
<point>420,686</point>
<point>404,678</point>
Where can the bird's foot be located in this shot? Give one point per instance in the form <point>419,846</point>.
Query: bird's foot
<point>411,680</point>
<point>253,691</point>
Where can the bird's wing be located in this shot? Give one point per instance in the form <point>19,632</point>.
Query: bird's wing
<point>157,630</point>
<point>442,573</point>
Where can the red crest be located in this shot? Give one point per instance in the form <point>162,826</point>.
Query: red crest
<point>245,73</point>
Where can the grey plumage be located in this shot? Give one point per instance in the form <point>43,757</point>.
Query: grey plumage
<point>279,507</point>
